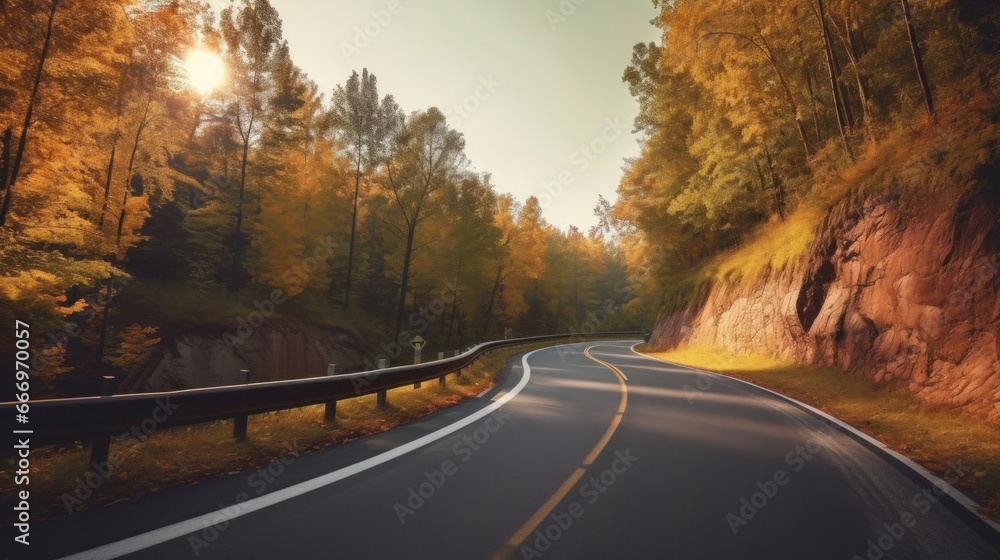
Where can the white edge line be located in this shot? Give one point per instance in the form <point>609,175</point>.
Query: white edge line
<point>177,530</point>
<point>959,497</point>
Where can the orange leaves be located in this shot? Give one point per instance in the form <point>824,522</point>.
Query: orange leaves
<point>134,343</point>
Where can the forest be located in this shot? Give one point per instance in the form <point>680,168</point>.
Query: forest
<point>137,204</point>
<point>758,116</point>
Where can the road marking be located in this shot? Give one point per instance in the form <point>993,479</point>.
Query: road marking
<point>183,528</point>
<point>875,445</point>
<point>543,512</point>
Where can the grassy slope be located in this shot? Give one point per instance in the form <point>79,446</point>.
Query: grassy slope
<point>936,439</point>
<point>936,161</point>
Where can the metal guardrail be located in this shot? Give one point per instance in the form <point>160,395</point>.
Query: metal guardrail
<point>100,418</point>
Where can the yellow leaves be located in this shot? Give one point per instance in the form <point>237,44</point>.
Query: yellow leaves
<point>28,284</point>
<point>297,218</point>
<point>34,282</point>
<point>134,343</point>
<point>52,358</point>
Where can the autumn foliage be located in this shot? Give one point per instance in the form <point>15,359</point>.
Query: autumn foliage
<point>135,207</point>
<point>756,116</point>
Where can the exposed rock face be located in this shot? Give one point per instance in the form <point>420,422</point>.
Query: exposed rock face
<point>902,291</point>
<point>278,349</point>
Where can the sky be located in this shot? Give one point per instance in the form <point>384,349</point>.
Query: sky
<point>534,85</point>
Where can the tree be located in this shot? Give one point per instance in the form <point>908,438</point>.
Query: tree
<point>918,60</point>
<point>518,257</point>
<point>252,37</point>
<point>357,115</point>
<point>13,168</point>
<point>426,159</point>
<point>839,104</point>
<point>474,231</point>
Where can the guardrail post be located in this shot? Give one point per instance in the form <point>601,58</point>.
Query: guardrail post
<point>101,445</point>
<point>331,406</point>
<point>382,396</point>
<point>441,379</point>
<point>240,422</point>
<point>418,346</point>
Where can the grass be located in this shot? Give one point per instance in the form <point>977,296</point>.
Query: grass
<point>934,161</point>
<point>180,456</point>
<point>775,246</point>
<point>932,437</point>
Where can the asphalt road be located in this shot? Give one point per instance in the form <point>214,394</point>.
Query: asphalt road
<point>568,460</point>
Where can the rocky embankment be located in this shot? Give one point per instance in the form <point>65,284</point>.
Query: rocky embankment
<point>896,288</point>
<point>212,356</point>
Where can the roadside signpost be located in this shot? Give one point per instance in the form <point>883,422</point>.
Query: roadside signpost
<point>418,344</point>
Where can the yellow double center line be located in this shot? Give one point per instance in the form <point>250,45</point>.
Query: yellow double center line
<point>535,520</point>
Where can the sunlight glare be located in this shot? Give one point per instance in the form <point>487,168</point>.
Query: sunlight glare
<point>205,71</point>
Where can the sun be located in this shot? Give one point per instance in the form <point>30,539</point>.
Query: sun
<point>205,71</point>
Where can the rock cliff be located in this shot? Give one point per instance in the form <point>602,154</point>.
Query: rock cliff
<point>211,356</point>
<point>898,288</point>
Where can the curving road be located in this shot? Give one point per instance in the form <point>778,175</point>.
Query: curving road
<point>581,451</point>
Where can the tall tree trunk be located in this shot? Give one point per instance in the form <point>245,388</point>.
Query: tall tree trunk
<point>401,310</point>
<point>111,160</point>
<point>777,186</point>
<point>918,60</point>
<point>834,85</point>
<point>760,176</point>
<point>354,227</point>
<point>792,105</point>
<point>454,304</point>
<point>854,53</point>
<point>5,149</point>
<point>576,289</point>
<point>854,48</point>
<point>234,272</point>
<point>493,296</point>
<point>812,103</point>
<point>121,218</point>
<point>845,92</point>
<point>15,169</point>
<point>107,182</point>
<point>807,73</point>
<point>143,123</point>
<point>243,184</point>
